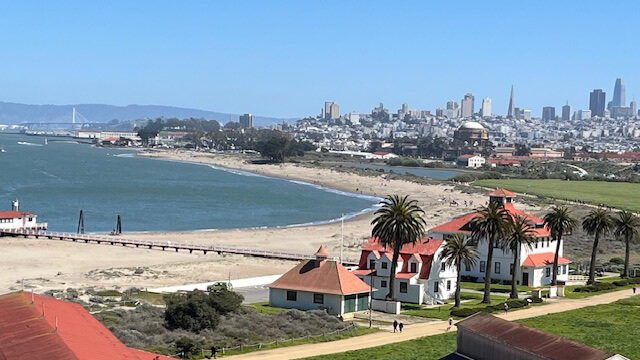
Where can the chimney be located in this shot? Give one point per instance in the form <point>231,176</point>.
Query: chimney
<point>321,254</point>
<point>15,205</point>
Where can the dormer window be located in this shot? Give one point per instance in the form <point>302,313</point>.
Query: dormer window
<point>414,268</point>
<point>384,265</point>
<point>372,264</point>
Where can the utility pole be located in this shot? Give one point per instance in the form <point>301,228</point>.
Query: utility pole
<point>341,236</point>
<point>370,297</point>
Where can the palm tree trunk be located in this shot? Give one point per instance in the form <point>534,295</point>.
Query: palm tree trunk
<point>554,277</point>
<point>514,273</point>
<point>487,278</point>
<point>458,284</point>
<point>625,273</point>
<point>392,274</point>
<point>592,266</point>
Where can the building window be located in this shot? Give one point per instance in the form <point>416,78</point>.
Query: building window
<point>436,287</point>
<point>467,267</point>
<point>318,298</point>
<point>547,272</point>
<point>536,244</point>
<point>383,283</point>
<point>414,267</point>
<point>510,269</point>
<point>548,244</point>
<point>292,295</point>
<point>497,267</point>
<point>448,285</point>
<point>442,266</point>
<point>372,264</point>
<point>403,287</point>
<point>564,269</point>
<point>384,265</point>
<point>483,266</point>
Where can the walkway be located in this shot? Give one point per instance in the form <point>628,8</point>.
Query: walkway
<point>419,330</point>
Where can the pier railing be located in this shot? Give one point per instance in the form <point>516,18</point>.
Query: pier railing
<point>164,245</point>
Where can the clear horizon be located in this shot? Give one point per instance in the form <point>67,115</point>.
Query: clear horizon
<point>284,59</point>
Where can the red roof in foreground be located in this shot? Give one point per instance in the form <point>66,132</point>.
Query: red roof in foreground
<point>543,259</point>
<point>524,339</point>
<point>326,276</point>
<point>502,192</point>
<point>25,334</point>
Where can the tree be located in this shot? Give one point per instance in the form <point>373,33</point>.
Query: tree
<point>458,250</point>
<point>519,234</point>
<point>398,222</point>
<point>626,227</point>
<point>597,223</point>
<point>522,150</point>
<point>491,227</point>
<point>559,221</point>
<point>187,346</point>
<point>198,310</point>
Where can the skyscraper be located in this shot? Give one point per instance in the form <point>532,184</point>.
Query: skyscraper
<point>331,110</point>
<point>485,111</point>
<point>597,101</point>
<point>466,105</point>
<point>511,112</point>
<point>566,112</point>
<point>634,107</point>
<point>548,113</point>
<point>246,121</point>
<point>619,94</point>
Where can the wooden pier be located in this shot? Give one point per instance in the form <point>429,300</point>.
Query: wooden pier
<point>163,245</point>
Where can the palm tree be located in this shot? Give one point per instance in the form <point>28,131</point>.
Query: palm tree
<point>626,227</point>
<point>560,221</point>
<point>456,251</point>
<point>597,223</point>
<point>519,234</point>
<point>398,222</point>
<point>490,226</point>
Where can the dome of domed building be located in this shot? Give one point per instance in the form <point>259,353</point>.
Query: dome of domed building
<point>472,133</point>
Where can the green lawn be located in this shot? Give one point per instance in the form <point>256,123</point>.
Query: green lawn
<point>443,312</point>
<point>499,288</point>
<point>264,308</point>
<point>615,194</point>
<point>612,327</point>
<point>149,297</point>
<point>568,290</point>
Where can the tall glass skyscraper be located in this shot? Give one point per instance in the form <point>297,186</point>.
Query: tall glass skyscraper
<point>597,101</point>
<point>619,94</point>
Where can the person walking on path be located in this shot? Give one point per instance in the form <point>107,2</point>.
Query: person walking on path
<point>450,324</point>
<point>634,289</point>
<point>400,326</point>
<point>506,308</point>
<point>395,325</point>
<point>214,352</point>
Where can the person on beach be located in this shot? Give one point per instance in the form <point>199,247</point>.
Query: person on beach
<point>395,325</point>
<point>400,326</point>
<point>450,324</point>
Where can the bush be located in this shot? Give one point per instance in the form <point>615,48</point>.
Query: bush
<point>516,303</point>
<point>468,278</point>
<point>506,282</point>
<point>464,312</point>
<point>617,260</point>
<point>225,301</point>
<point>187,346</point>
<point>495,281</point>
<point>621,283</point>
<point>595,287</point>
<point>535,300</point>
<point>192,312</point>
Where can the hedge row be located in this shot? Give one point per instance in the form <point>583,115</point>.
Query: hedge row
<point>600,286</point>
<point>513,304</point>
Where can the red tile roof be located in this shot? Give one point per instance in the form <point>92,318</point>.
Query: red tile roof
<point>405,275</point>
<point>543,259</point>
<point>10,214</point>
<point>502,192</point>
<point>466,156</point>
<point>523,339</point>
<point>424,251</point>
<point>425,246</point>
<point>322,251</point>
<point>26,334</point>
<point>326,276</point>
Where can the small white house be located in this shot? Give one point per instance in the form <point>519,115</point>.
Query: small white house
<point>320,284</point>
<point>535,264</point>
<point>421,277</point>
<point>471,161</point>
<point>15,220</point>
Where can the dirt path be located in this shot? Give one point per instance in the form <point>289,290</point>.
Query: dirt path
<point>419,330</point>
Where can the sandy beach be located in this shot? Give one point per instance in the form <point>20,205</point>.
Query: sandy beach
<point>45,264</point>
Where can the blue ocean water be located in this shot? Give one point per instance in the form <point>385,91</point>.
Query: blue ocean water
<point>59,179</point>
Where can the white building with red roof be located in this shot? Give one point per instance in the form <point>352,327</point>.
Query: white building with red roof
<point>320,284</point>
<point>420,275</point>
<point>14,219</point>
<point>536,263</point>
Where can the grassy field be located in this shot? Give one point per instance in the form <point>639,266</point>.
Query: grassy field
<point>443,312</point>
<point>611,327</point>
<point>264,308</point>
<point>615,194</point>
<point>499,288</point>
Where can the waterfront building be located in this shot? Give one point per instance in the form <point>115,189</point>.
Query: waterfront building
<point>511,111</point>
<point>467,105</point>
<point>485,336</point>
<point>421,276</point>
<point>597,101</point>
<point>14,219</point>
<point>471,161</point>
<point>40,327</point>
<point>320,284</point>
<point>619,94</point>
<point>566,112</point>
<point>548,113</point>
<point>535,264</point>
<point>473,133</point>
<point>101,135</point>
<point>485,111</point>
<point>246,121</point>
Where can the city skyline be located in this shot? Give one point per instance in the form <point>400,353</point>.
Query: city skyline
<point>183,55</point>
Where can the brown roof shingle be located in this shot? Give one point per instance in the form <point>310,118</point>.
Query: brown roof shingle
<point>327,277</point>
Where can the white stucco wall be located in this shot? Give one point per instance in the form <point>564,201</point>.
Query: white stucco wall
<point>333,303</point>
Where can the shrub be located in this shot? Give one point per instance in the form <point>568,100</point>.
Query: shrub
<point>468,278</point>
<point>225,301</point>
<point>621,283</point>
<point>464,312</point>
<point>495,281</point>
<point>516,303</point>
<point>535,300</point>
<point>187,346</point>
<point>595,287</point>
<point>617,260</point>
<point>506,282</point>
<point>192,312</point>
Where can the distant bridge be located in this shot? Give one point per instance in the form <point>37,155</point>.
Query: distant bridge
<point>164,245</point>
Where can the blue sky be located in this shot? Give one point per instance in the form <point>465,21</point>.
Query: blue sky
<point>285,58</point>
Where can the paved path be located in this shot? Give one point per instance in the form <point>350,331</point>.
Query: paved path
<point>419,330</point>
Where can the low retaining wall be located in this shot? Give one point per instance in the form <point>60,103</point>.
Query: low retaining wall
<point>391,307</point>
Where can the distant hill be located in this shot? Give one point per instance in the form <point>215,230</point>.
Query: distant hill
<point>14,113</point>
